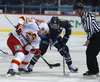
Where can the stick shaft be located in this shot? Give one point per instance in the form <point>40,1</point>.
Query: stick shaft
<point>3,51</point>
<point>9,21</point>
<point>63,65</point>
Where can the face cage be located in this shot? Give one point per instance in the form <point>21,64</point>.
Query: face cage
<point>52,26</point>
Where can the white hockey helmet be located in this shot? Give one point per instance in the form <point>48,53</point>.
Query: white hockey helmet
<point>44,26</point>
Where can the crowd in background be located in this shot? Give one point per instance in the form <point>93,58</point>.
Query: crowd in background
<point>91,3</point>
<point>49,2</point>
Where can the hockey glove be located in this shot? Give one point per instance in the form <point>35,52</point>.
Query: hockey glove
<point>19,26</point>
<point>35,51</point>
<point>19,29</point>
<point>64,40</point>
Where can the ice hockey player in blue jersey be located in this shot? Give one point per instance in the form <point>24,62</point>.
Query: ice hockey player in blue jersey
<point>54,37</point>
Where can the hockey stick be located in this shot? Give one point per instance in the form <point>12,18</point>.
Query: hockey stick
<point>3,51</point>
<point>50,65</point>
<point>9,21</point>
<point>64,63</point>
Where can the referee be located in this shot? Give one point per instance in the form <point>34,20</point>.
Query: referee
<point>92,29</point>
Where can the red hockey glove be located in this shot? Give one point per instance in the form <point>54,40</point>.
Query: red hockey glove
<point>35,51</point>
<point>19,31</point>
<point>19,26</point>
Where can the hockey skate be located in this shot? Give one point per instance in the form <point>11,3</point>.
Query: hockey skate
<point>27,70</point>
<point>73,69</point>
<point>90,76</point>
<point>23,70</point>
<point>11,72</point>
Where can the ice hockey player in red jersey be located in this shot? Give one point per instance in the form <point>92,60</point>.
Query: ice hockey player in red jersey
<point>19,45</point>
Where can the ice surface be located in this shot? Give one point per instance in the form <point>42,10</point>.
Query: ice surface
<point>41,72</point>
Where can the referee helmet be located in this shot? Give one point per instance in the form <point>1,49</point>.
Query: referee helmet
<point>77,6</point>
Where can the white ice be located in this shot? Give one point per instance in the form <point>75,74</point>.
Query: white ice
<point>41,72</point>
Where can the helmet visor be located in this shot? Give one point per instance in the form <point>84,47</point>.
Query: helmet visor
<point>54,26</point>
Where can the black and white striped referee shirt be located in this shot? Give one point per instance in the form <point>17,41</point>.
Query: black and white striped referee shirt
<point>90,24</point>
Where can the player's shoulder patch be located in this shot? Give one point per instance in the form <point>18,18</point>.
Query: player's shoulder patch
<point>63,20</point>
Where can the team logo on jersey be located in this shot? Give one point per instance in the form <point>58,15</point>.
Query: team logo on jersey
<point>30,36</point>
<point>18,47</point>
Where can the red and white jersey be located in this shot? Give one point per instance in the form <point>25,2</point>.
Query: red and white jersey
<point>30,33</point>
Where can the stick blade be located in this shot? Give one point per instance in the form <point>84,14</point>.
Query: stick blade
<point>55,65</point>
